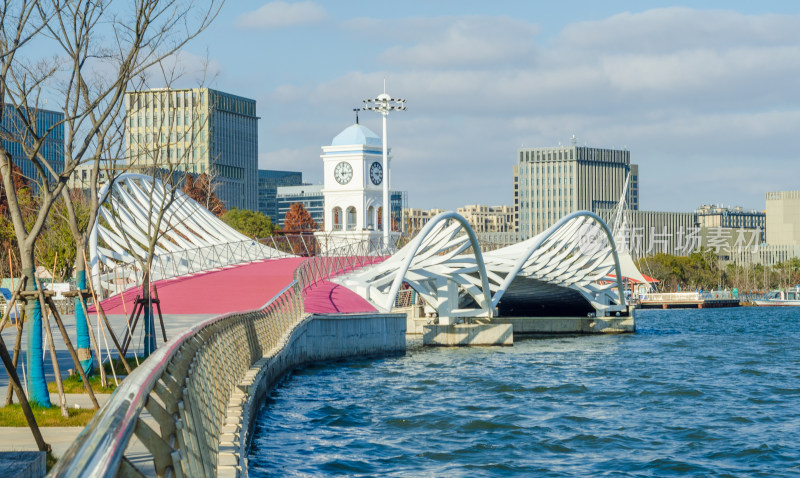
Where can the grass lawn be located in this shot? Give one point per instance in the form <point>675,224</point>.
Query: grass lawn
<point>74,384</point>
<point>12,416</point>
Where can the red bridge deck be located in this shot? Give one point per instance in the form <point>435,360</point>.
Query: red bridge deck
<point>238,288</point>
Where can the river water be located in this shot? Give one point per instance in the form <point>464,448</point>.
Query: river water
<point>712,392</point>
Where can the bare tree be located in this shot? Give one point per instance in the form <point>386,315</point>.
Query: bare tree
<point>101,47</point>
<point>173,142</point>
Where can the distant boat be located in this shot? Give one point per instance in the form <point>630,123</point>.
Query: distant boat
<point>788,297</point>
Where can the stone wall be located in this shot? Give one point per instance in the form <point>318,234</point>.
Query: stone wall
<point>317,338</point>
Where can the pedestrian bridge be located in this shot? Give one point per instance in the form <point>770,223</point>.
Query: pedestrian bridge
<point>571,269</point>
<point>201,388</point>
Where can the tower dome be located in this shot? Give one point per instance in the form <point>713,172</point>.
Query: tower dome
<point>357,134</point>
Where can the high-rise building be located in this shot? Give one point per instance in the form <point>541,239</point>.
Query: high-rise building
<point>555,181</point>
<point>268,183</point>
<point>14,135</point>
<point>783,218</point>
<point>198,130</point>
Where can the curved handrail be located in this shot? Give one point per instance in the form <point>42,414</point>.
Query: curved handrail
<point>100,447</point>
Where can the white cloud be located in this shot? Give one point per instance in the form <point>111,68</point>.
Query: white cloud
<point>703,99</point>
<point>183,70</point>
<point>282,14</point>
<point>468,41</point>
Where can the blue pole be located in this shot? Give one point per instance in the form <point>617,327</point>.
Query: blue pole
<point>83,344</point>
<point>149,329</point>
<point>37,385</point>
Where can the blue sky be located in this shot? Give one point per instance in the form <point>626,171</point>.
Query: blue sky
<point>705,95</point>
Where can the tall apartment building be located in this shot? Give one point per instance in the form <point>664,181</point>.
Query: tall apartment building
<point>489,219</point>
<point>555,181</point>
<point>198,130</point>
<point>13,136</point>
<point>417,218</point>
<point>268,183</point>
<point>783,218</point>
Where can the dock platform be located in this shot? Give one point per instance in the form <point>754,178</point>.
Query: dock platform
<point>688,300</point>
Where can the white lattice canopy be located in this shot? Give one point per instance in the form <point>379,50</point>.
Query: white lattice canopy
<point>189,238</point>
<point>569,269</point>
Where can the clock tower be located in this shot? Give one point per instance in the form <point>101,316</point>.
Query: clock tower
<point>353,185</point>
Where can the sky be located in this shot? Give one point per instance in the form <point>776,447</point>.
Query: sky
<point>704,95</point>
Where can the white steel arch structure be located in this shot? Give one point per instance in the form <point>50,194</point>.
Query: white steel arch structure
<point>567,266</point>
<point>189,239</point>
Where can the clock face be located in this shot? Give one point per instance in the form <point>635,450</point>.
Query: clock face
<point>376,173</point>
<point>343,173</point>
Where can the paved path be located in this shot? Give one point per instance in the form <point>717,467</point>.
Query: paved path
<point>185,301</point>
<point>237,288</point>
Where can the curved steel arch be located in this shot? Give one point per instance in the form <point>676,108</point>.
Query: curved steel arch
<point>189,239</point>
<point>417,242</point>
<point>560,256</point>
<point>539,240</point>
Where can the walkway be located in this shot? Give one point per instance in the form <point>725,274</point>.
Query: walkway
<point>237,288</point>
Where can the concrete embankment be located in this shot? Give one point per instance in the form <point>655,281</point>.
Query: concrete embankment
<point>316,338</point>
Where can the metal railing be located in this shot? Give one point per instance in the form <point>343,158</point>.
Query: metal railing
<point>185,386</point>
<point>686,296</point>
<point>315,270</point>
<point>123,276</point>
<point>348,256</point>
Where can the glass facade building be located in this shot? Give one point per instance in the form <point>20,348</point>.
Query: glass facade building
<point>268,182</point>
<point>14,136</point>
<point>197,130</point>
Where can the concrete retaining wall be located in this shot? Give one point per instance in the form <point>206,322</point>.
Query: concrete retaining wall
<point>317,338</point>
<point>569,325</point>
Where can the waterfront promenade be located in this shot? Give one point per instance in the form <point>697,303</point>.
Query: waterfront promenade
<point>185,301</point>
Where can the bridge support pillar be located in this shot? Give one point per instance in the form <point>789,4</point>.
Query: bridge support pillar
<point>467,334</point>
<point>446,300</point>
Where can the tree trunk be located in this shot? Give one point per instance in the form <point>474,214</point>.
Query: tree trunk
<point>82,344</point>
<point>37,384</point>
<point>149,323</point>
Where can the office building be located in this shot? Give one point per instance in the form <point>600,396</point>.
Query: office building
<point>650,232</point>
<point>488,219</point>
<point>555,181</point>
<point>14,136</point>
<point>783,218</point>
<point>730,217</point>
<point>309,195</point>
<point>109,168</point>
<point>417,218</point>
<point>197,130</point>
<point>268,183</point>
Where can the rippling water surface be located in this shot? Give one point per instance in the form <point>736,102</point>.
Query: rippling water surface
<point>692,393</point>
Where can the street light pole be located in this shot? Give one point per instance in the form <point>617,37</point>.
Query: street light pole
<point>383,104</point>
